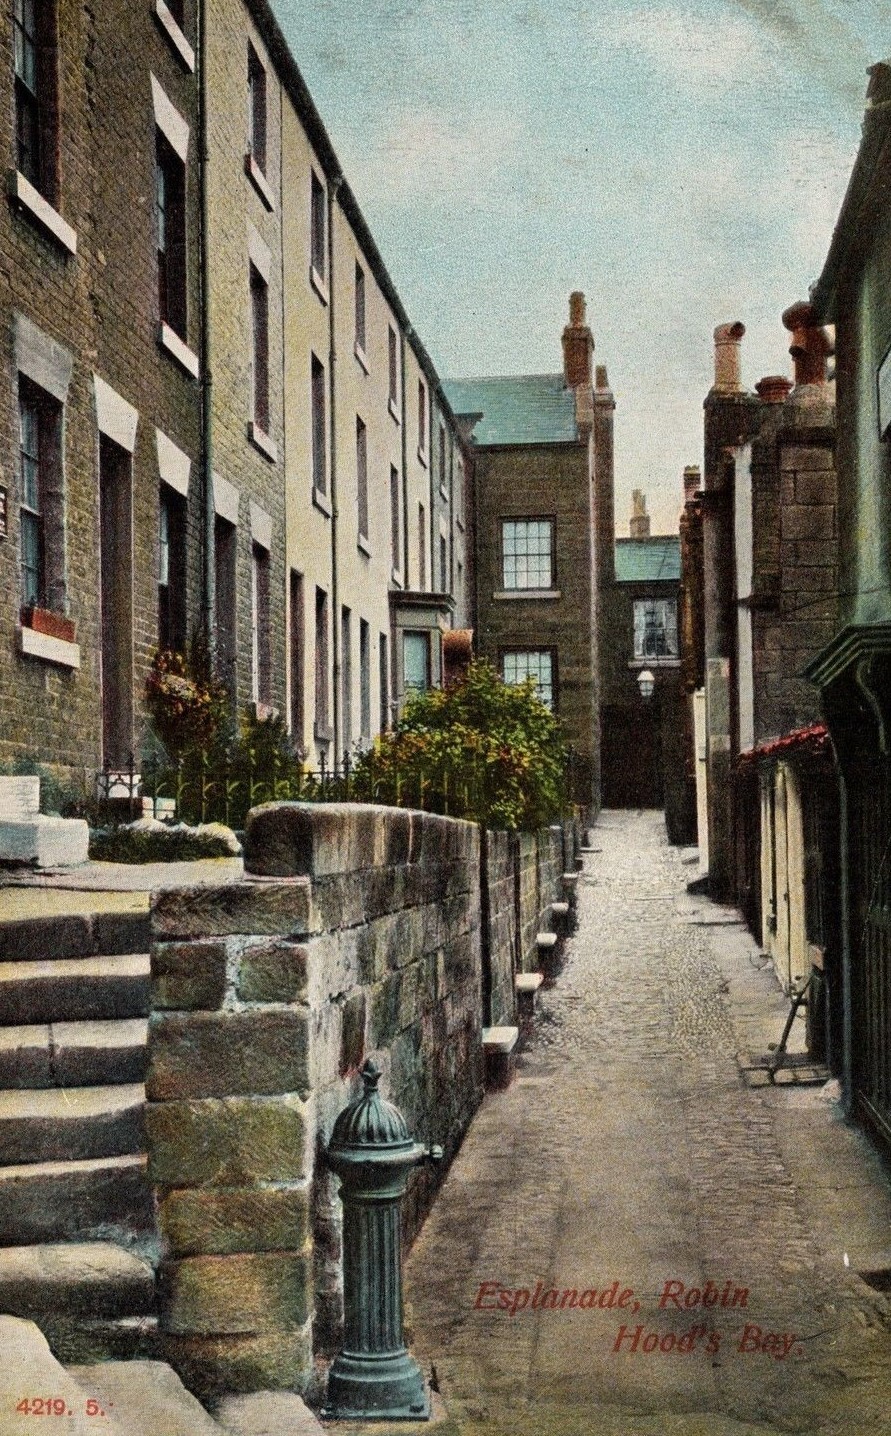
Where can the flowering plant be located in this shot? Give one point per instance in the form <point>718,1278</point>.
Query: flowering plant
<point>188,708</point>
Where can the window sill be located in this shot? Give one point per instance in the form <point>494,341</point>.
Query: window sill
<point>391,405</point>
<point>177,348</point>
<point>321,501</point>
<point>362,357</point>
<point>318,284</point>
<point>323,732</point>
<point>459,522</point>
<point>443,493</point>
<point>259,181</point>
<point>52,650</point>
<point>363,545</point>
<point>396,577</point>
<point>666,662</point>
<point>175,35</point>
<point>40,210</point>
<point>422,457</point>
<point>533,593</point>
<point>264,711</point>
<point>261,440</point>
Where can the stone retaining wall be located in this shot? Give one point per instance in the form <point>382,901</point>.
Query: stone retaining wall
<point>356,932</point>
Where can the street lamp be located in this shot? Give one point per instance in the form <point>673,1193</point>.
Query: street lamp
<point>646,683</point>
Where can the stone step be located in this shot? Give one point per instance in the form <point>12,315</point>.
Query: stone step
<point>75,1280</point>
<point>104,1338</point>
<point>74,1054</point>
<point>40,939</point>
<point>39,1125</point>
<point>74,989</point>
<point>62,1201</point>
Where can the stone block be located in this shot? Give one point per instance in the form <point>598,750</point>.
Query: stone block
<point>809,522</point>
<point>207,1221</point>
<point>266,1361</point>
<point>45,842</point>
<point>272,972</point>
<point>268,1413</point>
<point>150,1393</point>
<point>807,457</point>
<point>188,975</point>
<point>223,1054</point>
<point>338,901</point>
<point>28,1367</point>
<point>230,1141</point>
<point>240,1293</point>
<point>274,909</point>
<point>315,839</point>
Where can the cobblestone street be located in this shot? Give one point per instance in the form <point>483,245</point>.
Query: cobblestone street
<point>630,1153</point>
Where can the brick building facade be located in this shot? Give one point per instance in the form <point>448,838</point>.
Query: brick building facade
<point>535,552</point>
<point>100,432</point>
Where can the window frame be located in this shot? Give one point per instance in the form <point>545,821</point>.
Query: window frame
<point>318,428</point>
<point>423,422</point>
<point>362,481</point>
<point>396,522</point>
<point>318,235</point>
<point>422,634</point>
<point>322,636</point>
<point>46,518</point>
<point>523,651</point>
<point>172,237</point>
<point>516,521</point>
<point>259,306</point>
<point>393,373</point>
<point>261,627</point>
<point>360,317</point>
<point>669,655</point>
<point>172,562</point>
<point>258,134</point>
<point>36,94</point>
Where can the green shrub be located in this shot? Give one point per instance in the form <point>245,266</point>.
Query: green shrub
<point>479,749</point>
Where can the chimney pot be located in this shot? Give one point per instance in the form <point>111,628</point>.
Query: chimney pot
<point>692,482</point>
<point>639,527</point>
<point>601,380</point>
<point>728,371</point>
<point>774,388</point>
<point>810,345</point>
<point>577,309</point>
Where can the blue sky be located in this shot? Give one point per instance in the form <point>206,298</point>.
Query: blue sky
<point>681,161</point>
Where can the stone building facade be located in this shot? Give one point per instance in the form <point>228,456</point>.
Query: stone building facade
<point>770,593</point>
<point>640,734</point>
<point>536,541</point>
<point>853,668</point>
<point>100,431</point>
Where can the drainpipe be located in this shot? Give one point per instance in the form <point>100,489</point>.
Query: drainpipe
<point>845,896</point>
<point>206,386</point>
<point>402,348</point>
<point>333,187</point>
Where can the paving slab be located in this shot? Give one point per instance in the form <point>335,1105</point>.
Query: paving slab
<point>632,1239</point>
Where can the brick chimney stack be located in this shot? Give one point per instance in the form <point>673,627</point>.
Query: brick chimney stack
<point>578,345</point>
<point>692,482</point>
<point>810,347</point>
<point>639,526</point>
<point>728,371</point>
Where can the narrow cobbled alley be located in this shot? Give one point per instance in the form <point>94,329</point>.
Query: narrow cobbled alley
<point>721,1225</point>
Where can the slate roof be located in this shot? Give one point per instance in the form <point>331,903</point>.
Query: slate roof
<point>517,409</point>
<point>647,560</point>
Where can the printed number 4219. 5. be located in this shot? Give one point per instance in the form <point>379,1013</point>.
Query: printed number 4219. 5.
<point>55,1406</point>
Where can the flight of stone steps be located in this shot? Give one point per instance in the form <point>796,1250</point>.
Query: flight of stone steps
<point>76,1217</point>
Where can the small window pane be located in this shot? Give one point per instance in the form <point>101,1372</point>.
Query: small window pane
<point>537,664</point>
<point>416,661</point>
<point>527,553</point>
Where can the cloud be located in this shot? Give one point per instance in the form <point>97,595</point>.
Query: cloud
<point>689,48</point>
